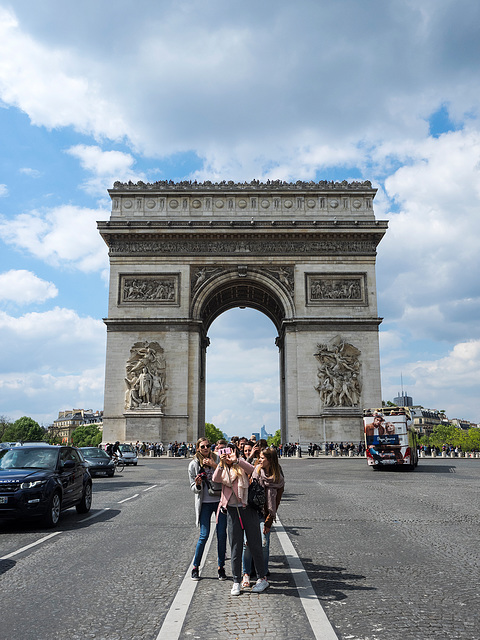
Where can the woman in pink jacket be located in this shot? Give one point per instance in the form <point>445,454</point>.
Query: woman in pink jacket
<point>232,472</point>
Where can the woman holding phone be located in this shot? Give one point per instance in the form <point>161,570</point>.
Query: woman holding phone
<point>232,472</point>
<point>207,498</point>
<point>269,474</point>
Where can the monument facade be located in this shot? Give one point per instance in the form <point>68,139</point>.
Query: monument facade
<point>183,253</point>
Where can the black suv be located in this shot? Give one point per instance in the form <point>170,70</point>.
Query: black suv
<point>43,480</point>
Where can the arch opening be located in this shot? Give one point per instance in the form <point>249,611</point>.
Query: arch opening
<point>242,379</point>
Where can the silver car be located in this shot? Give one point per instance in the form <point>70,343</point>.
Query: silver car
<point>129,453</point>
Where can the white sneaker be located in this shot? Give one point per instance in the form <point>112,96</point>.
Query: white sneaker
<point>236,591</point>
<point>260,585</point>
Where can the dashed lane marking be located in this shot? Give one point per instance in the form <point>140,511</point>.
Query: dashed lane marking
<point>127,499</point>
<point>29,546</point>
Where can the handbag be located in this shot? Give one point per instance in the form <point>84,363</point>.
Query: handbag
<point>210,488</point>
<point>256,495</point>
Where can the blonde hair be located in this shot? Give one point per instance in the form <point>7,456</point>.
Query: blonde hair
<point>235,467</point>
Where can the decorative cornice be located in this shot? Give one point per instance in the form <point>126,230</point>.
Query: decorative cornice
<point>254,185</point>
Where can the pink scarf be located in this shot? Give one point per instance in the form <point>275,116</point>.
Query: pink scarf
<point>239,488</point>
<point>270,490</point>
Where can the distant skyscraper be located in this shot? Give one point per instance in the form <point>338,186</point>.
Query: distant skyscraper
<point>264,434</point>
<point>402,400</point>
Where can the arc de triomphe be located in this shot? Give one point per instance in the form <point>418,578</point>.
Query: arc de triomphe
<point>183,253</point>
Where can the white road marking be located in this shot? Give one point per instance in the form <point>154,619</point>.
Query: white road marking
<point>127,499</point>
<point>152,487</point>
<point>172,625</point>
<point>94,515</point>
<point>29,546</point>
<point>316,616</point>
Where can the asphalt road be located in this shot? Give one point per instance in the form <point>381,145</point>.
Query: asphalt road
<point>389,555</point>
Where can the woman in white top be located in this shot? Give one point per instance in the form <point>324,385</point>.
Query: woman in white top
<point>207,498</point>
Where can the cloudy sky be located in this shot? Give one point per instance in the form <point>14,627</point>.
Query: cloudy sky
<point>94,92</point>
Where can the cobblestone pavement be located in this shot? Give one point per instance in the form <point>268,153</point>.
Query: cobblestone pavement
<point>390,555</point>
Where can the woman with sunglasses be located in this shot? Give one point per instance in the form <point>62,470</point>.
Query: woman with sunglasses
<point>207,498</point>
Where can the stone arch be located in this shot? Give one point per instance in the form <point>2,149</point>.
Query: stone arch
<point>302,253</point>
<point>232,288</point>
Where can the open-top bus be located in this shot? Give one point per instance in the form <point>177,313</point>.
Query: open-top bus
<point>390,439</point>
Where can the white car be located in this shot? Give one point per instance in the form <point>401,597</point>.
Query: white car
<point>129,453</point>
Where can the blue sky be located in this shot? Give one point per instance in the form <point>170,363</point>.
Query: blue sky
<point>312,90</point>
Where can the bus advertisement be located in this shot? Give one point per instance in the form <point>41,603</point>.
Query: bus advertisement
<point>390,439</point>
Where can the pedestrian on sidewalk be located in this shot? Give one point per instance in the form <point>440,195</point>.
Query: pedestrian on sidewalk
<point>232,472</point>
<point>207,498</point>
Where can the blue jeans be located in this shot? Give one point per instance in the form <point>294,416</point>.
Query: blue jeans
<point>247,555</point>
<point>205,517</point>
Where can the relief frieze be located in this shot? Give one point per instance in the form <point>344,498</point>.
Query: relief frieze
<point>226,247</point>
<point>332,289</point>
<point>149,289</point>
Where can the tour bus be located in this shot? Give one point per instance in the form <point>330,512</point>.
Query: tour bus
<point>390,439</point>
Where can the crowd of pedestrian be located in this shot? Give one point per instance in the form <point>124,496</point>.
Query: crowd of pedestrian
<point>242,482</point>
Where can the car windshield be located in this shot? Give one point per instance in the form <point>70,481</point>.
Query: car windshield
<point>126,448</point>
<point>94,453</point>
<point>29,459</point>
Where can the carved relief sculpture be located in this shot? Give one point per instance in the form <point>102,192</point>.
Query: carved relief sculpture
<point>331,289</point>
<point>149,289</point>
<point>145,377</point>
<point>340,383</point>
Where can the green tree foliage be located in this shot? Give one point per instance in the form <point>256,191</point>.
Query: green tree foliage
<point>275,440</point>
<point>24,429</point>
<point>212,433</point>
<point>4,423</point>
<point>86,435</point>
<point>453,436</point>
<point>443,434</point>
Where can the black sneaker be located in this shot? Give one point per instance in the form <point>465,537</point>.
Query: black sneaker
<point>221,574</point>
<point>195,574</point>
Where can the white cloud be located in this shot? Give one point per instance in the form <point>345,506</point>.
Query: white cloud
<point>46,83</point>
<point>24,287</point>
<point>450,382</point>
<point>50,361</point>
<point>434,234</point>
<point>3,190</point>
<point>65,235</point>
<point>277,85</point>
<point>106,167</point>
<point>28,171</point>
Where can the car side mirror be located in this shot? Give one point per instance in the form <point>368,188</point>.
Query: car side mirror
<point>68,464</point>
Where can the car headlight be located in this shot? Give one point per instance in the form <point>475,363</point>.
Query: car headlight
<point>33,484</point>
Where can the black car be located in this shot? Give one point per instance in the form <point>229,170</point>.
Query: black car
<point>43,480</point>
<point>98,461</point>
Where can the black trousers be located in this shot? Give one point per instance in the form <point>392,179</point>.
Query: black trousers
<point>251,528</point>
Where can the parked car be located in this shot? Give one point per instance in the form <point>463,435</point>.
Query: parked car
<point>98,461</point>
<point>41,481</point>
<point>129,454</point>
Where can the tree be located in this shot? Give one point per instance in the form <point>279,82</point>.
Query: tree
<point>443,434</point>
<point>24,429</point>
<point>86,435</point>
<point>4,423</point>
<point>275,440</point>
<point>212,433</point>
